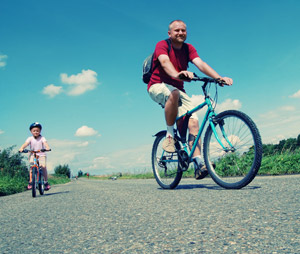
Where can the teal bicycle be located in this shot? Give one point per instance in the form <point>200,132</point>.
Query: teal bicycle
<point>232,147</point>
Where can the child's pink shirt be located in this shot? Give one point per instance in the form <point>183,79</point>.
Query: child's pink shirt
<point>37,144</point>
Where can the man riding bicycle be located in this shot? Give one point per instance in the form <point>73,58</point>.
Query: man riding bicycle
<point>166,86</point>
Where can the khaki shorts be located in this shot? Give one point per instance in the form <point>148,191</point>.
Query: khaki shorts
<point>42,160</point>
<point>160,93</point>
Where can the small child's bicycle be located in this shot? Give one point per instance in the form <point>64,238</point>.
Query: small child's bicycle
<point>232,147</point>
<point>37,172</point>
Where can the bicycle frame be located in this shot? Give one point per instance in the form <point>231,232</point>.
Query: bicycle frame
<point>209,116</point>
<point>36,165</point>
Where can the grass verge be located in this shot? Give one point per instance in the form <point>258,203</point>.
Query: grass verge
<point>287,162</point>
<point>58,179</point>
<point>10,185</point>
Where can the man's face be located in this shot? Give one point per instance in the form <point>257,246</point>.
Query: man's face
<point>177,32</point>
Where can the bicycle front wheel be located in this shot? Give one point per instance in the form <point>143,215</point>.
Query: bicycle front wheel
<point>34,181</point>
<point>234,165</point>
<point>165,165</point>
<point>41,183</point>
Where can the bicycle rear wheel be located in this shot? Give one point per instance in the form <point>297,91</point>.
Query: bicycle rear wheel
<point>34,181</point>
<point>165,165</point>
<point>41,183</point>
<point>235,166</point>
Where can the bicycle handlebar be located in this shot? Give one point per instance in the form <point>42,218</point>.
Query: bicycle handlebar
<point>206,80</point>
<point>38,151</point>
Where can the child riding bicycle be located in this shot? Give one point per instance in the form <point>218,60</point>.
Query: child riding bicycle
<point>37,142</point>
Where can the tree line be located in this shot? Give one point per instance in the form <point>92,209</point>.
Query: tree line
<point>290,144</point>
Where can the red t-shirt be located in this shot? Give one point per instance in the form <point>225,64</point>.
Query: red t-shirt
<point>178,58</point>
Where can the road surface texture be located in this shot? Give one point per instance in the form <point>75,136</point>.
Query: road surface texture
<point>137,216</point>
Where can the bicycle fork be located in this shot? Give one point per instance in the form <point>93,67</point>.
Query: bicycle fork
<point>213,121</point>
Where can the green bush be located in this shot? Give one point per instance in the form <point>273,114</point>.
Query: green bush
<point>286,162</point>
<point>63,170</point>
<point>80,173</point>
<point>10,185</point>
<point>12,164</point>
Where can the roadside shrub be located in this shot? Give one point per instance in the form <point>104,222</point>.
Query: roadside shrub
<point>10,185</point>
<point>286,162</point>
<point>63,170</point>
<point>12,164</point>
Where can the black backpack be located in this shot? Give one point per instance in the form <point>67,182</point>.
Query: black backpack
<point>148,67</point>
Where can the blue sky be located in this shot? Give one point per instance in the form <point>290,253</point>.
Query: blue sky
<point>75,67</point>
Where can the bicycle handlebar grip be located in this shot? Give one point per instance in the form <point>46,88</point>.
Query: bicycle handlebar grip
<point>45,150</point>
<point>184,78</point>
<point>220,82</point>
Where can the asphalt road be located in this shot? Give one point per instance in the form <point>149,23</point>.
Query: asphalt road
<point>136,216</point>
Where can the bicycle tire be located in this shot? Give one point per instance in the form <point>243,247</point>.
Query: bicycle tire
<point>34,182</point>
<point>234,168</point>
<point>165,165</point>
<point>41,183</point>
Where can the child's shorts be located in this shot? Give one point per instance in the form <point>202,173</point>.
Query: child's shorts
<point>42,160</point>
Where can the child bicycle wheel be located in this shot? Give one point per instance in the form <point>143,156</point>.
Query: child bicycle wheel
<point>237,165</point>
<point>41,183</point>
<point>34,181</point>
<point>165,165</point>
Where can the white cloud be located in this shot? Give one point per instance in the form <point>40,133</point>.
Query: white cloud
<point>52,90</point>
<point>288,108</point>
<point>229,104</point>
<point>80,156</point>
<point>280,123</point>
<point>296,95</point>
<point>278,114</point>
<point>197,99</point>
<point>226,105</point>
<point>1,132</point>
<point>84,144</point>
<point>81,82</point>
<point>85,131</point>
<point>101,162</point>
<point>62,144</point>
<point>136,159</point>
<point>64,152</point>
<point>3,60</point>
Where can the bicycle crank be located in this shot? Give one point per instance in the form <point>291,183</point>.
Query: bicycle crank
<point>183,160</point>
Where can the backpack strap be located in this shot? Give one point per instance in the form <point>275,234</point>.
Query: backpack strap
<point>169,49</point>
<point>169,45</point>
<point>186,48</point>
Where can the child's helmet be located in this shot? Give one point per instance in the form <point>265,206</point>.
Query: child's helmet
<point>36,124</point>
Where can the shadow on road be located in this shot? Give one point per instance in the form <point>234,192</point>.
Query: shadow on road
<point>56,193</point>
<point>208,186</point>
<point>199,186</point>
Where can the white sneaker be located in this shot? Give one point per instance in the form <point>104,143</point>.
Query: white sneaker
<point>169,144</point>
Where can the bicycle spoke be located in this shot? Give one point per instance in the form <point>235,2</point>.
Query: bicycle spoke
<point>235,166</point>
